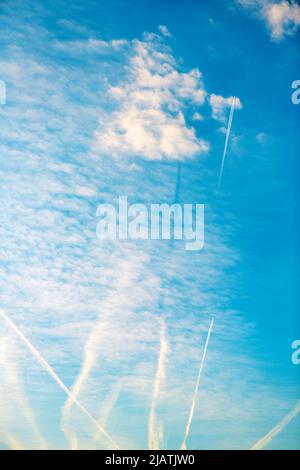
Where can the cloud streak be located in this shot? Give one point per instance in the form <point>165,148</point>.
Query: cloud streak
<point>106,410</point>
<point>12,381</point>
<point>55,377</point>
<point>154,432</point>
<point>226,143</point>
<point>264,441</point>
<point>193,405</point>
<point>61,282</point>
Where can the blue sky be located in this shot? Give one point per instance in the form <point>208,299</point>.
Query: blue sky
<point>106,99</point>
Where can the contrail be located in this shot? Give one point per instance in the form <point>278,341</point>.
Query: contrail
<point>11,374</point>
<point>119,298</point>
<point>191,415</point>
<point>154,434</point>
<point>13,443</point>
<point>55,377</point>
<point>90,355</point>
<point>277,429</point>
<point>106,409</point>
<point>226,142</point>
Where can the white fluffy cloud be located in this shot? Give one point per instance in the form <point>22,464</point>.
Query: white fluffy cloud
<point>219,105</point>
<point>282,18</point>
<point>149,121</point>
<point>150,118</point>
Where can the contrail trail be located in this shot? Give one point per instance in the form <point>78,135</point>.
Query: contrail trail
<point>226,142</point>
<point>13,443</point>
<point>11,376</point>
<point>106,409</point>
<point>154,435</point>
<point>191,415</point>
<point>118,298</point>
<point>90,354</point>
<point>55,377</point>
<point>277,429</point>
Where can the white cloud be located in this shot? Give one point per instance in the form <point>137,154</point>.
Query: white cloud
<point>219,106</point>
<point>24,427</point>
<point>89,46</point>
<point>58,281</point>
<point>282,18</point>
<point>150,106</point>
<point>261,137</point>
<point>150,119</point>
<point>164,30</point>
<point>150,133</point>
<point>197,117</point>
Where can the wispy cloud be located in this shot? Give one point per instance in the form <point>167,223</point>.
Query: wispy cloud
<point>53,374</point>
<point>12,383</point>
<point>91,308</point>
<point>106,409</point>
<point>154,432</point>
<point>164,30</point>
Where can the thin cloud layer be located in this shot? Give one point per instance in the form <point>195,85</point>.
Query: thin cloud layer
<point>91,308</point>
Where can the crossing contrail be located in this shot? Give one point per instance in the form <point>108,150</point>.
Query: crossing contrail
<point>226,142</point>
<point>106,410</point>
<point>120,296</point>
<point>55,377</point>
<point>277,429</point>
<point>90,354</point>
<point>191,414</point>
<point>154,433</point>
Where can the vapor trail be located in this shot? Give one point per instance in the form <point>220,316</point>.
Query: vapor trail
<point>154,433</point>
<point>106,409</point>
<point>90,354</point>
<point>55,377</point>
<point>13,443</point>
<point>120,297</point>
<point>277,429</point>
<point>226,142</point>
<point>11,376</point>
<point>191,415</point>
